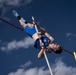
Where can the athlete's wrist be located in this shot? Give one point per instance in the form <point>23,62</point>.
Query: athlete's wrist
<point>52,39</point>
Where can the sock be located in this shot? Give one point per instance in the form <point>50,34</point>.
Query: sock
<point>24,20</point>
<point>15,13</point>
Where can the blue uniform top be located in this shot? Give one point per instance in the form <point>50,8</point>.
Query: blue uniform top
<point>30,30</point>
<point>45,40</point>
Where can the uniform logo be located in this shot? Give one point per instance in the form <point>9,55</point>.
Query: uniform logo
<point>45,40</point>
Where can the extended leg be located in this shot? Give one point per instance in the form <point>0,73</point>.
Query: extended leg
<point>21,20</point>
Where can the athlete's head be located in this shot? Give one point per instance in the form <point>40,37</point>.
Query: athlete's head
<point>56,48</point>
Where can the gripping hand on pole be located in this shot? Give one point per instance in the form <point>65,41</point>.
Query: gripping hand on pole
<point>41,43</point>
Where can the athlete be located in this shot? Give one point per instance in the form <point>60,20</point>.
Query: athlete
<point>47,41</point>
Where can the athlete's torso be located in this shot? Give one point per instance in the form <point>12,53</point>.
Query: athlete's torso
<point>31,31</point>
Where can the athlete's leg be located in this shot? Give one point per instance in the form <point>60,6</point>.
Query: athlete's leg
<point>21,20</point>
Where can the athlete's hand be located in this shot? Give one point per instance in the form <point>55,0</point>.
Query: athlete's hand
<point>52,40</point>
<point>34,22</point>
<point>42,44</point>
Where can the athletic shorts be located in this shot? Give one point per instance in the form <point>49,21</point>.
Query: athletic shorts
<point>45,40</point>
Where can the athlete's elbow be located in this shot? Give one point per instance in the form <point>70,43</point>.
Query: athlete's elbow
<point>39,56</point>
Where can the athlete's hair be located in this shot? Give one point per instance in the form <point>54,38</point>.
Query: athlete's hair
<point>59,50</point>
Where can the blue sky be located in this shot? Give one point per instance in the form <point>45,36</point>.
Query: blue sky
<point>17,54</point>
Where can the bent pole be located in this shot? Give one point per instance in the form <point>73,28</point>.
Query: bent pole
<point>11,24</point>
<point>47,61</point>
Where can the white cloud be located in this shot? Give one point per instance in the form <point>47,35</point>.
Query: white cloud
<point>0,40</point>
<point>31,71</point>
<point>5,5</point>
<point>70,35</point>
<point>74,35</point>
<point>25,43</point>
<point>59,68</point>
<point>16,3</point>
<point>26,64</point>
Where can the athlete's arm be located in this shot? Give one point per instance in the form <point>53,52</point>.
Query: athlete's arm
<point>50,37</point>
<point>40,28</point>
<point>43,31</point>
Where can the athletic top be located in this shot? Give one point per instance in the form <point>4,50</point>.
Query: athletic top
<point>30,30</point>
<point>45,40</point>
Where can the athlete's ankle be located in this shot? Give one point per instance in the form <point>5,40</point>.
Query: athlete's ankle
<point>18,17</point>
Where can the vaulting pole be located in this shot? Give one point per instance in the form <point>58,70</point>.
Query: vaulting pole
<point>47,61</point>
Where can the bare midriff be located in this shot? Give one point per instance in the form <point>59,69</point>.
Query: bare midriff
<point>35,36</point>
